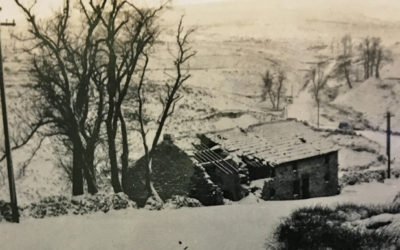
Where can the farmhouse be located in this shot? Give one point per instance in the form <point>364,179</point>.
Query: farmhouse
<point>293,160</point>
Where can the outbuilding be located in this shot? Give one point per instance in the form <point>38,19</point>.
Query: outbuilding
<point>293,159</point>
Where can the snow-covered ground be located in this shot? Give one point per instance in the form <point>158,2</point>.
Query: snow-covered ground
<point>243,225</point>
<point>381,137</point>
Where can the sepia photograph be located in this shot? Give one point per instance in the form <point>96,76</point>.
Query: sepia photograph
<point>199,124</point>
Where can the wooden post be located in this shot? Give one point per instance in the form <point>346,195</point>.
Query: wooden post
<point>11,182</point>
<point>388,132</point>
<point>318,114</point>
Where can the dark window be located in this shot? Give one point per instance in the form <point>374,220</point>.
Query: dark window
<point>296,187</point>
<point>305,186</point>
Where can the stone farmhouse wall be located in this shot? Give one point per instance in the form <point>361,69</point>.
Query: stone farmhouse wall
<point>312,177</point>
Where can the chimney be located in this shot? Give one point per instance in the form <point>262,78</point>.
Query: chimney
<point>168,138</point>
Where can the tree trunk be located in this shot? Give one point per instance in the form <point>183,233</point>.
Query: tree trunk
<point>368,61</point>
<point>125,153</point>
<point>278,96</point>
<point>378,64</point>
<point>272,99</point>
<point>347,75</point>
<point>112,153</point>
<point>89,170</point>
<point>317,114</point>
<point>151,191</point>
<point>277,99</point>
<point>366,69</point>
<point>111,119</point>
<point>77,163</point>
<point>82,160</point>
<point>372,62</point>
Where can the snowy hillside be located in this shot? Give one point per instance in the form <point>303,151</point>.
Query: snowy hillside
<point>374,98</point>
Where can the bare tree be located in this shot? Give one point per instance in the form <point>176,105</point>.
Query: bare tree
<point>273,87</point>
<point>268,82</point>
<point>85,78</point>
<point>69,85</point>
<point>168,101</point>
<point>344,60</point>
<point>128,31</point>
<point>365,56</point>
<point>318,78</point>
<point>382,57</point>
<point>373,56</point>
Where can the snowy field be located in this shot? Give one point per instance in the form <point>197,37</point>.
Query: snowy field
<point>243,225</point>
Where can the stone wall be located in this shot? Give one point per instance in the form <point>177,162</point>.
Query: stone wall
<point>203,189</point>
<point>290,181</point>
<point>229,183</point>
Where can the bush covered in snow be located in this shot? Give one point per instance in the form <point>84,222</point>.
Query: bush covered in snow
<point>325,228</point>
<point>53,206</point>
<point>153,204</point>
<point>49,207</point>
<point>178,201</point>
<point>356,177</point>
<point>102,202</point>
<point>5,211</point>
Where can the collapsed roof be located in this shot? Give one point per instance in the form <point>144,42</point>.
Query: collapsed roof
<point>274,142</point>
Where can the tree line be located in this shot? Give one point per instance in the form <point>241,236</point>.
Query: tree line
<point>369,54</point>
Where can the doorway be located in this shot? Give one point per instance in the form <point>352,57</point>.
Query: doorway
<point>305,187</point>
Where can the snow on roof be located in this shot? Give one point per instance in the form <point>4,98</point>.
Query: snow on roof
<point>274,142</point>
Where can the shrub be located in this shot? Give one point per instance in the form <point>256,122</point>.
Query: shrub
<point>153,204</point>
<point>53,206</point>
<point>322,228</point>
<point>102,202</point>
<point>178,201</point>
<point>121,201</point>
<point>355,177</point>
<point>93,203</point>
<point>348,208</point>
<point>49,207</point>
<point>5,211</point>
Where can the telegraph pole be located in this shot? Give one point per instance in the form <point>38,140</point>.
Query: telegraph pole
<point>11,182</point>
<point>388,132</point>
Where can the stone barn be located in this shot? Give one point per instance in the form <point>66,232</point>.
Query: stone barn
<point>174,173</point>
<point>291,159</point>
